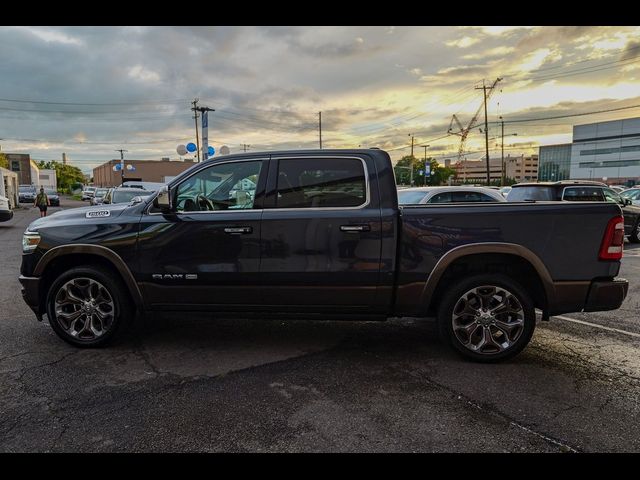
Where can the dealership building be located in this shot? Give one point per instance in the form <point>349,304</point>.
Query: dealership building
<point>603,151</point>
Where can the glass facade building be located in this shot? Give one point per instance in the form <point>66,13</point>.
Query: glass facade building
<point>554,162</point>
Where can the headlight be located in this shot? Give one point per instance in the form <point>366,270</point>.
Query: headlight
<point>30,241</point>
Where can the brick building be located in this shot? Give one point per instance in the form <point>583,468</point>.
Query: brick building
<point>145,170</point>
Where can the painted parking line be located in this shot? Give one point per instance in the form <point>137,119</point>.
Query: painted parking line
<point>595,325</point>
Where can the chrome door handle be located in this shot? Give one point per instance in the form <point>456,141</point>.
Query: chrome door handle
<point>355,228</point>
<point>238,230</point>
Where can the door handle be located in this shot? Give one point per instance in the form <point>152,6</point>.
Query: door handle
<point>238,230</point>
<point>355,228</point>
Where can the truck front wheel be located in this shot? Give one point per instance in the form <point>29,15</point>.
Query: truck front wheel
<point>86,306</point>
<point>487,317</point>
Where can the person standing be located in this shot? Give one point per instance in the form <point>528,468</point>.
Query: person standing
<point>42,202</point>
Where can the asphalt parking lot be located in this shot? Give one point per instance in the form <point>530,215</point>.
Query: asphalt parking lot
<point>191,383</point>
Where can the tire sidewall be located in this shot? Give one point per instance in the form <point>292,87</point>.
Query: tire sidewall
<point>113,287</point>
<point>635,233</point>
<point>450,299</point>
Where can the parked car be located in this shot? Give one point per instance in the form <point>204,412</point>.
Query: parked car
<point>322,236</point>
<point>88,193</point>
<point>54,197</point>
<point>632,194</point>
<point>505,191</point>
<point>422,195</point>
<point>617,188</point>
<point>6,213</point>
<point>580,191</point>
<point>98,196</point>
<point>27,193</point>
<point>124,195</point>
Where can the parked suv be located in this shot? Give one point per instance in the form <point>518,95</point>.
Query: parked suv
<point>580,191</point>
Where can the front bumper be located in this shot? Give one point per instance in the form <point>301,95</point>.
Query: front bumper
<point>606,295</point>
<point>31,293</point>
<point>6,215</point>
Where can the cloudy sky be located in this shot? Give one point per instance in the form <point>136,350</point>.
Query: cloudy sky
<point>87,91</point>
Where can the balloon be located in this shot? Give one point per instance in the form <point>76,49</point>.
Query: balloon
<point>182,150</point>
<point>191,147</point>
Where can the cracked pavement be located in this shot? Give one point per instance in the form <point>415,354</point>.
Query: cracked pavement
<point>192,383</point>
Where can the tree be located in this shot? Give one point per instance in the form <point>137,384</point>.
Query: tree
<point>439,174</point>
<point>4,161</point>
<point>68,176</point>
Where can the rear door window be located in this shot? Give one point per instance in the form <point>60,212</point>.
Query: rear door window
<point>522,194</point>
<point>320,183</point>
<point>583,194</point>
<point>444,197</point>
<point>472,197</point>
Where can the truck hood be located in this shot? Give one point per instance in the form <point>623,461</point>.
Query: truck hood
<point>81,214</point>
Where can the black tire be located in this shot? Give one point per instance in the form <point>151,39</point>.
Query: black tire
<point>89,278</point>
<point>634,237</point>
<point>464,291</point>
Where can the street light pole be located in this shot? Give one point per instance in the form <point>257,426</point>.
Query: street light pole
<point>424,177</point>
<point>121,164</point>
<point>411,161</point>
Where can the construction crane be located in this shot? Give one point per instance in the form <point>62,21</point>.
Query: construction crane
<point>463,132</point>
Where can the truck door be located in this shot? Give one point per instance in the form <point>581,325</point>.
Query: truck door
<point>321,237</point>
<point>206,253</point>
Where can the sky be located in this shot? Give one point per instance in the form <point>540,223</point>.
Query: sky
<point>88,91</point>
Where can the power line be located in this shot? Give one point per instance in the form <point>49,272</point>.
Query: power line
<point>523,120</point>
<point>156,102</point>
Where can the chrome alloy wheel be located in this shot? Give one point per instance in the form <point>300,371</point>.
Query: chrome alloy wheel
<point>84,308</point>
<point>488,319</point>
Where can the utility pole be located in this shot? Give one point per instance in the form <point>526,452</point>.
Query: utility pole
<point>121,164</point>
<point>320,128</point>
<point>486,125</point>
<point>195,117</point>
<point>502,179</point>
<point>411,161</point>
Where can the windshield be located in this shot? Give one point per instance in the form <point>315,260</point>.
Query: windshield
<point>48,191</point>
<point>125,196</point>
<point>26,188</point>
<point>101,192</point>
<point>522,194</point>
<point>410,197</point>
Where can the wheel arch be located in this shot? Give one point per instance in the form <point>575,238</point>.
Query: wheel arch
<point>63,257</point>
<point>507,254</point>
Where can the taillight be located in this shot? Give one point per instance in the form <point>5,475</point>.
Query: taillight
<point>611,248</point>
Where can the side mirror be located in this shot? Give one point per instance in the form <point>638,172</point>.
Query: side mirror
<point>627,201</point>
<point>163,200</point>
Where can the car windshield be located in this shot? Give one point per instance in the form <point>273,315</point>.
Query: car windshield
<point>26,188</point>
<point>101,192</point>
<point>410,197</point>
<point>522,194</point>
<point>126,195</point>
<point>48,191</point>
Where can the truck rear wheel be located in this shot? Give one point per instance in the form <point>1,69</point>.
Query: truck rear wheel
<point>487,317</point>
<point>86,306</point>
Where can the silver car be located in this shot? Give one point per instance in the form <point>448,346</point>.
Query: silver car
<point>422,195</point>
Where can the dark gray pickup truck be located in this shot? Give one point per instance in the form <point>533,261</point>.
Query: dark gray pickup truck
<point>319,234</point>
